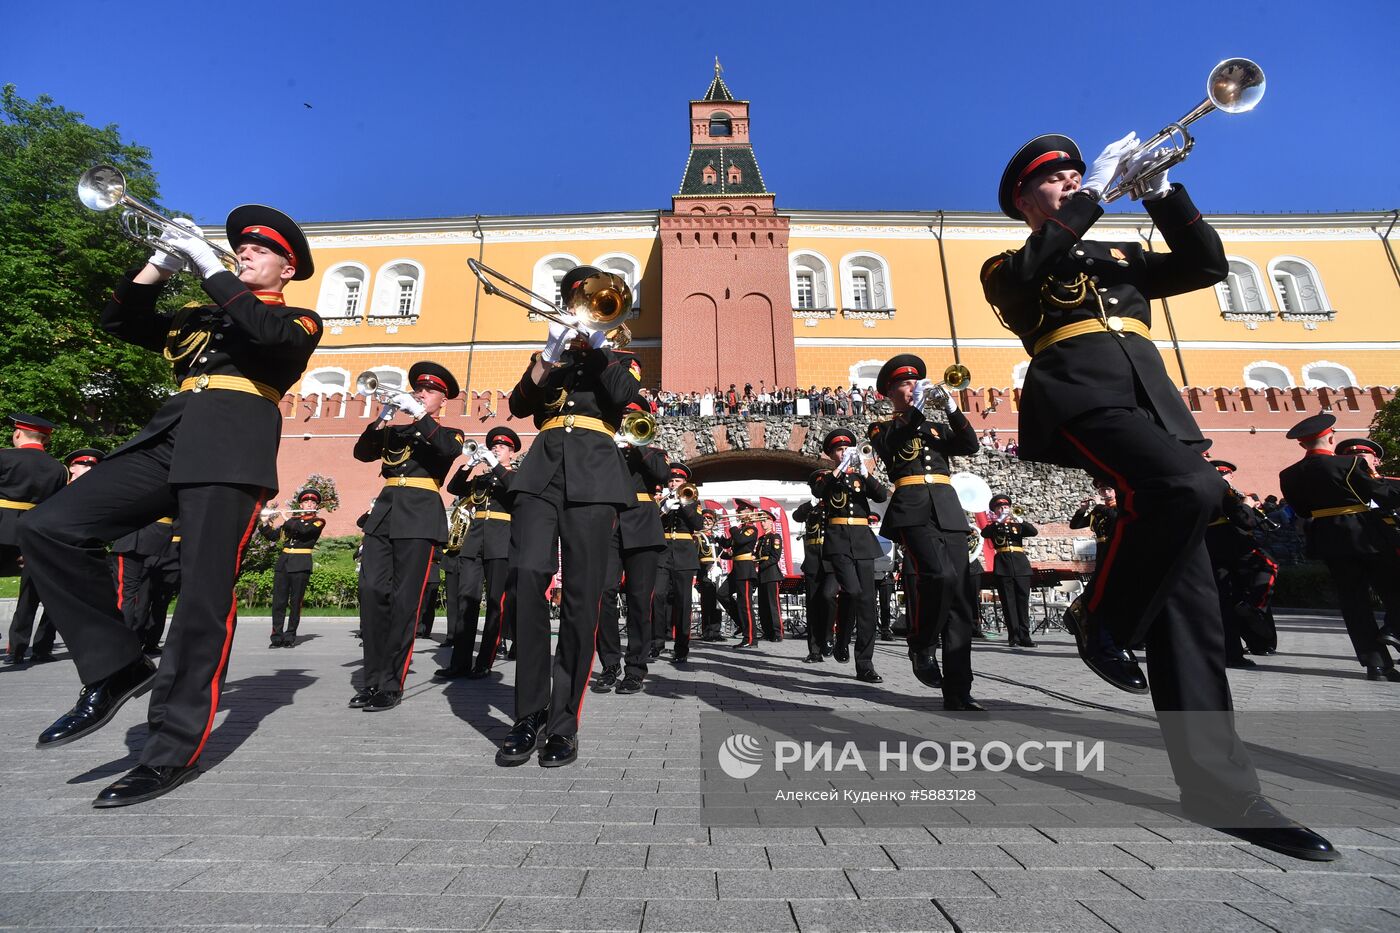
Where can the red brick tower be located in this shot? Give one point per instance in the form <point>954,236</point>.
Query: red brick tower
<point>726,307</point>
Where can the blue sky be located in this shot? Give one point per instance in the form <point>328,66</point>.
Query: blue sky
<point>447,108</point>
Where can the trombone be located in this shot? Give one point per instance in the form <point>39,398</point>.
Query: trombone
<point>599,305</point>
<point>1236,85</point>
<point>103,187</point>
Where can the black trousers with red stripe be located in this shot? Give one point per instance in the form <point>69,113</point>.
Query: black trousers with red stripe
<point>856,606</point>
<point>579,533</point>
<point>939,600</point>
<point>288,591</point>
<point>1154,587</point>
<point>709,603</point>
<point>633,573</point>
<point>393,584</point>
<point>820,588</point>
<point>741,596</point>
<point>471,574</point>
<point>64,541</point>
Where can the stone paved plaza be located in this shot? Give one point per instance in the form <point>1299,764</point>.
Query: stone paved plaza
<point>312,815</point>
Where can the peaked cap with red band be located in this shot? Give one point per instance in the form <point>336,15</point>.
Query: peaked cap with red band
<point>267,226</point>
<point>430,374</point>
<point>901,367</point>
<point>1310,428</point>
<point>1354,445</point>
<point>1223,466</point>
<point>998,499</point>
<point>27,422</point>
<point>84,456</point>
<point>1048,153</point>
<point>503,436</point>
<point>309,494</point>
<point>679,470</point>
<point>837,436</point>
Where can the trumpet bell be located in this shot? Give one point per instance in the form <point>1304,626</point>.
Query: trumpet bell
<point>1236,85</point>
<point>687,493</point>
<point>102,187</point>
<point>638,428</point>
<point>366,383</point>
<point>596,298</point>
<point>957,376</point>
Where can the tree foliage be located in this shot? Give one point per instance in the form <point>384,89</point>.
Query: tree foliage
<point>1385,430</point>
<point>58,263</point>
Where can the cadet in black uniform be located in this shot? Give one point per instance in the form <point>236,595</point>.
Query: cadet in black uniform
<point>209,455</point>
<point>1012,569</point>
<point>133,557</point>
<point>710,621</point>
<point>1349,535</point>
<point>29,474</point>
<point>568,493</point>
<point>427,607</point>
<point>296,539</point>
<point>1099,517</point>
<point>1098,397</point>
<point>743,571</point>
<point>485,554</point>
<point>162,585</point>
<point>850,546</point>
<point>682,524</point>
<point>1230,542</point>
<point>819,584</point>
<point>405,526</point>
<point>928,521</point>
<point>769,553</point>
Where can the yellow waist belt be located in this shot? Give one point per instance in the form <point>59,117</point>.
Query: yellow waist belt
<point>175,539</point>
<point>1341,510</point>
<point>1219,521</point>
<point>1010,548</point>
<point>417,482</point>
<point>498,516</point>
<point>1114,325</point>
<point>743,557</point>
<point>584,422</point>
<point>814,540</point>
<point>848,521</point>
<point>680,535</point>
<point>923,479</point>
<point>641,496</point>
<point>12,504</point>
<point>168,520</point>
<point>231,384</point>
<point>298,550</point>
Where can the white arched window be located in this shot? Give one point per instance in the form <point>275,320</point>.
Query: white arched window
<point>865,286</point>
<point>1018,374</point>
<point>631,272</point>
<point>1326,374</point>
<point>1241,295</point>
<point>324,382</point>
<point>863,374</point>
<point>399,292</point>
<point>809,278</point>
<point>344,289</point>
<point>1266,375</point>
<point>1299,289</point>
<point>549,272</point>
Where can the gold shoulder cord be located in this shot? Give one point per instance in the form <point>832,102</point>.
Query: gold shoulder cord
<point>176,349</point>
<point>396,457</point>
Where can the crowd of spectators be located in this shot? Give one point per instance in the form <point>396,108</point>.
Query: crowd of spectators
<point>763,400</point>
<point>1007,446</point>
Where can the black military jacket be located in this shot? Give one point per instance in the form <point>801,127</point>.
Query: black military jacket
<point>1323,481</point>
<point>769,552</point>
<point>639,523</point>
<point>848,495</point>
<point>488,535</point>
<point>300,534</point>
<point>1098,518</point>
<point>593,384</point>
<point>146,541</point>
<point>686,520</point>
<point>1060,278</point>
<point>813,518</point>
<point>1230,535</point>
<point>912,445</point>
<point>738,547</point>
<point>1010,534</point>
<point>27,474</point>
<point>422,449</point>
<point>223,436</point>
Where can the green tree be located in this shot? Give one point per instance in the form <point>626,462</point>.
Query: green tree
<point>58,264</point>
<point>1385,430</point>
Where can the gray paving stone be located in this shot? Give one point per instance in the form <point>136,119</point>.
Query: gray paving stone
<point>128,876</point>
<point>834,856</point>
<point>901,916</point>
<point>712,857</point>
<point>1353,861</point>
<point>788,885</point>
<point>1155,917</point>
<point>986,835</point>
<point>1192,884</point>
<point>1231,858</point>
<point>503,854</point>
<point>921,883</point>
<point>518,882</point>
<point>411,912</point>
<point>546,832</point>
<point>655,883</point>
<point>257,877</point>
<point>1082,855</point>
<point>388,879</point>
<point>1320,888</point>
<point>1052,883</point>
<point>449,830</point>
<point>1306,918</point>
<point>951,856</point>
<point>234,849</point>
<point>387,851</point>
<point>586,856</point>
<point>665,916</point>
<point>636,833</point>
<point>17,877</point>
<point>1021,915</point>
<point>878,835</point>
<point>603,914</point>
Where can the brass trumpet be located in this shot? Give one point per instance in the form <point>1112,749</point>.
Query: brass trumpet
<point>103,187</point>
<point>368,384</point>
<point>1236,85</point>
<point>638,429</point>
<point>598,304</point>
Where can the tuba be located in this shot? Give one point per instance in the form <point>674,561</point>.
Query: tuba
<point>457,522</point>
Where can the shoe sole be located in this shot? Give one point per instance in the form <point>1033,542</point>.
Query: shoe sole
<point>510,760</point>
<point>1074,629</point>
<point>560,762</point>
<point>380,709</point>
<point>109,804</point>
<point>135,691</point>
<point>1307,855</point>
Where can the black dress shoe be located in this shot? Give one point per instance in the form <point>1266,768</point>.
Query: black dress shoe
<point>1383,673</point>
<point>978,633</point>
<point>1390,637</point>
<point>1103,657</point>
<point>510,652</point>
<point>841,653</point>
<point>384,699</point>
<point>869,677</point>
<point>629,685</point>
<point>926,670</point>
<point>606,680</point>
<point>479,673</point>
<point>559,750</point>
<point>746,644</point>
<point>1028,643</point>
<point>1258,823</point>
<point>362,699</point>
<point>1240,663</point>
<point>712,638</point>
<point>152,651</point>
<point>826,651</point>
<point>15,657</point>
<point>519,743</point>
<point>654,654</point>
<point>963,704</point>
<point>1263,652</point>
<point>680,658</point>
<point>275,643</point>
<point>99,702</point>
<point>143,783</point>
<point>813,659</point>
<point>449,673</point>
<point>44,657</point>
<point>886,635</point>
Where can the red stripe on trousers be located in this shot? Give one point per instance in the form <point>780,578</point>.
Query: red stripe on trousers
<point>121,578</point>
<point>417,614</point>
<point>1125,516</point>
<point>229,623</point>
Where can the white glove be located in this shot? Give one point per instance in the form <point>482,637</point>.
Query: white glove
<point>1155,187</point>
<point>715,573</point>
<point>921,391</point>
<point>485,456</point>
<point>559,337</point>
<point>406,402</point>
<point>597,339</point>
<point>1105,167</point>
<point>864,467</point>
<point>938,396</point>
<point>950,402</point>
<point>669,505</point>
<point>202,256</point>
<point>165,260</point>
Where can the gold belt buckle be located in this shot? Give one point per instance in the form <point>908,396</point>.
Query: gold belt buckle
<point>201,383</point>
<point>403,480</point>
<point>1115,324</point>
<point>568,423</point>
